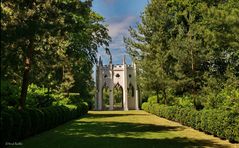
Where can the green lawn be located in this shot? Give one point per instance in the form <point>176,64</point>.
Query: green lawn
<point>121,129</point>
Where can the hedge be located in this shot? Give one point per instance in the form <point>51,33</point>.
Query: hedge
<point>17,125</point>
<point>223,124</point>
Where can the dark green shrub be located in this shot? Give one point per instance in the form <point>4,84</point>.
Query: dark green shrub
<point>17,123</point>
<point>85,108</point>
<point>236,129</point>
<point>26,124</point>
<point>223,124</point>
<point>47,117</point>
<point>6,127</point>
<point>35,117</point>
<point>198,116</point>
<point>53,115</point>
<point>41,121</point>
<point>59,114</point>
<point>231,123</point>
<point>9,94</point>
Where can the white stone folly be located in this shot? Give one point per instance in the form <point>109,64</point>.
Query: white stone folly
<point>111,76</point>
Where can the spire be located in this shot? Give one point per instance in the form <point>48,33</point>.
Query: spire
<point>124,60</point>
<point>107,50</point>
<point>134,65</point>
<point>100,61</point>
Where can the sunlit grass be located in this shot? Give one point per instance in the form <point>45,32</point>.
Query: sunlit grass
<point>123,129</point>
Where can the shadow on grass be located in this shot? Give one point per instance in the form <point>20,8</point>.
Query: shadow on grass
<point>105,134</point>
<point>128,142</point>
<point>114,128</point>
<point>109,115</point>
<point>125,135</point>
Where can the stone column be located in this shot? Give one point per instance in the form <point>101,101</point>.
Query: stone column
<point>136,88</point>
<point>125,98</point>
<point>97,87</point>
<point>100,99</point>
<point>100,93</point>
<point>125,86</point>
<point>98,103</point>
<point>136,99</point>
<point>111,99</point>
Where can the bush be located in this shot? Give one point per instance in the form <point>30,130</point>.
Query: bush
<point>17,125</point>
<point>152,99</point>
<point>145,106</point>
<point>9,94</point>
<point>223,124</point>
<point>26,124</point>
<point>38,97</point>
<point>6,127</point>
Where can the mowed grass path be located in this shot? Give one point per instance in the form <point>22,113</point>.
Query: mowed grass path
<point>122,129</point>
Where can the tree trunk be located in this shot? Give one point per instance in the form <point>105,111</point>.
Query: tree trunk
<point>165,97</point>
<point>25,80</point>
<point>157,91</point>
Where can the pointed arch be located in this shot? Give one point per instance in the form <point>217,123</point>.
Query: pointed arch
<point>118,96</point>
<point>131,90</point>
<point>105,97</point>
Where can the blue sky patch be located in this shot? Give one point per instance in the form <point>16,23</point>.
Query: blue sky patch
<point>119,15</point>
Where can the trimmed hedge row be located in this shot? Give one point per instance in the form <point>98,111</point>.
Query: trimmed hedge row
<point>17,125</point>
<point>223,124</point>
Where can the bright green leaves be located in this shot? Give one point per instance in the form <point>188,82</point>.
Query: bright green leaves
<point>182,45</point>
<point>57,34</point>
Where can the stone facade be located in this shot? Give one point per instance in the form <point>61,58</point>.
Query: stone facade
<point>111,76</point>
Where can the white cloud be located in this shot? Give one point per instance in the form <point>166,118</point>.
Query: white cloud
<point>120,28</point>
<point>117,30</point>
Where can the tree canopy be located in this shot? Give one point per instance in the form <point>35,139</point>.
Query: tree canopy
<point>51,43</point>
<point>186,47</point>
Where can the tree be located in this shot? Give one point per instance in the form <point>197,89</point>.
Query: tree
<point>37,31</point>
<point>179,42</point>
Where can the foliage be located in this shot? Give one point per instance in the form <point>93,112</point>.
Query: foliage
<point>191,47</point>
<point>152,100</point>
<point>223,124</point>
<point>51,44</point>
<point>38,97</point>
<point>184,101</point>
<point>9,94</point>
<point>17,125</point>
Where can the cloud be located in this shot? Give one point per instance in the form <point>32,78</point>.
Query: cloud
<point>117,28</point>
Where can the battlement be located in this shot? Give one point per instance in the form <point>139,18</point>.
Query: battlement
<point>116,66</point>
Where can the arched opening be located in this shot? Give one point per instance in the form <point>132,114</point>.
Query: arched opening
<point>105,97</point>
<point>131,97</point>
<point>131,90</point>
<point>118,97</point>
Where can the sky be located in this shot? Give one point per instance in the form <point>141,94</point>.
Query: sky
<point>119,15</point>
